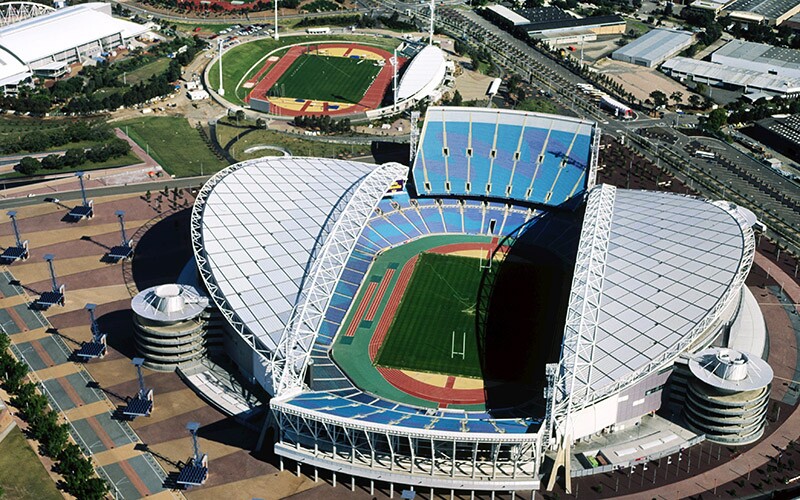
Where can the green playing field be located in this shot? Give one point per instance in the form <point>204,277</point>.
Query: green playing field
<point>325,78</point>
<point>436,319</point>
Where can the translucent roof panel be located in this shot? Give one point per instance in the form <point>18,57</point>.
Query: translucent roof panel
<point>261,223</point>
<point>671,259</point>
<point>424,73</point>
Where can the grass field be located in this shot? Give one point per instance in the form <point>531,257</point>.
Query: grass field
<point>440,299</point>
<point>174,144</point>
<point>324,78</point>
<point>22,475</point>
<point>239,61</point>
<point>148,70</point>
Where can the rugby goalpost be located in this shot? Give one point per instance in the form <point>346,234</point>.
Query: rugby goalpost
<point>453,352</point>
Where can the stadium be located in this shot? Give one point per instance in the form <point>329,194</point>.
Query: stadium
<point>452,324</point>
<point>339,78</point>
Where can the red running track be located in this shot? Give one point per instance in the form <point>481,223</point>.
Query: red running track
<point>446,395</point>
<point>371,100</point>
<point>461,247</point>
<point>351,330</point>
<point>261,72</point>
<point>384,285</point>
<point>280,67</point>
<point>391,308</point>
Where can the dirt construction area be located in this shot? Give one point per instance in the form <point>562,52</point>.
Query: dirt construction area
<point>640,81</point>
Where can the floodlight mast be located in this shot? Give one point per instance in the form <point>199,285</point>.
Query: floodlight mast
<point>276,20</point>
<point>221,89</point>
<point>13,215</point>
<point>121,216</point>
<point>433,6</point>
<point>138,362</point>
<point>196,459</point>
<point>96,335</point>
<point>49,258</point>
<point>83,188</point>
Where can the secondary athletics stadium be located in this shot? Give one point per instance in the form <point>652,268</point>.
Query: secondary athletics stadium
<point>322,78</point>
<point>448,325</point>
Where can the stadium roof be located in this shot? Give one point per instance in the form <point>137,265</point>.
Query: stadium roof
<point>424,73</point>
<point>655,45</point>
<point>261,225</point>
<point>39,37</point>
<point>11,69</point>
<point>671,260</point>
<point>733,76</point>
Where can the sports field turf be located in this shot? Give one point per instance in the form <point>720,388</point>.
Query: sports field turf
<point>325,78</point>
<point>440,299</point>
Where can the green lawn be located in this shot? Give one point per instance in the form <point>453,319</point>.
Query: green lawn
<point>297,146</point>
<point>22,475</point>
<point>325,78</point>
<point>148,70</point>
<point>440,299</point>
<point>174,144</point>
<point>238,61</point>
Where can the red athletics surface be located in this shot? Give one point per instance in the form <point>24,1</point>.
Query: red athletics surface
<point>351,330</point>
<point>371,100</point>
<point>391,308</point>
<point>255,78</point>
<point>384,284</point>
<point>446,395</point>
<point>279,68</point>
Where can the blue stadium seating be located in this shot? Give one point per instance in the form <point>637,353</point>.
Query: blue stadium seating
<point>367,408</point>
<point>452,220</point>
<point>527,157</point>
<point>473,220</point>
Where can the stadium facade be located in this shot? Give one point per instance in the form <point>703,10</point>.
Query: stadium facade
<point>283,246</point>
<point>67,35</point>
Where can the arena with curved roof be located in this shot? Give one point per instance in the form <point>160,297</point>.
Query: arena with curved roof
<point>571,301</point>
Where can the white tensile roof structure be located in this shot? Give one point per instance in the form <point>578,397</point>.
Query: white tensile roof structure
<point>669,264</point>
<point>43,36</point>
<point>11,69</point>
<point>424,73</point>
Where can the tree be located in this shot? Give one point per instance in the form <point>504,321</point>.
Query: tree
<point>28,166</point>
<point>695,101</point>
<point>659,98</point>
<point>261,123</point>
<point>52,162</point>
<point>677,97</point>
<point>457,99</point>
<point>74,157</point>
<point>716,119</point>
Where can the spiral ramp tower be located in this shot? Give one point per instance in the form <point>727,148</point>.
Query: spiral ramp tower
<point>728,395</point>
<point>170,323</point>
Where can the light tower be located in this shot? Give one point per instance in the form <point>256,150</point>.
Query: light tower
<point>393,62</point>
<point>56,295</point>
<point>276,20</point>
<point>433,6</point>
<point>20,251</point>
<point>86,210</point>
<point>125,249</point>
<point>196,471</point>
<point>221,89</point>
<point>97,347</point>
<point>140,405</point>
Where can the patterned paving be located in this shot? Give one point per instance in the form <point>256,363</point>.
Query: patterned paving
<point>141,457</point>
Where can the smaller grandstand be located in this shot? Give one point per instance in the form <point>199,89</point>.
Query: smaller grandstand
<point>528,157</point>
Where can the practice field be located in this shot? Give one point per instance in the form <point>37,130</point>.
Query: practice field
<point>440,299</point>
<point>325,78</point>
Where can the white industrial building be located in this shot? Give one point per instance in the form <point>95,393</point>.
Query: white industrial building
<point>68,35</point>
<point>654,47</point>
<point>748,80</point>
<point>778,61</point>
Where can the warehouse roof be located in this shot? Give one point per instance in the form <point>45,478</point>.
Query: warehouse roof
<point>575,23</point>
<point>760,53</point>
<point>655,45</point>
<point>768,8</point>
<point>734,76</point>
